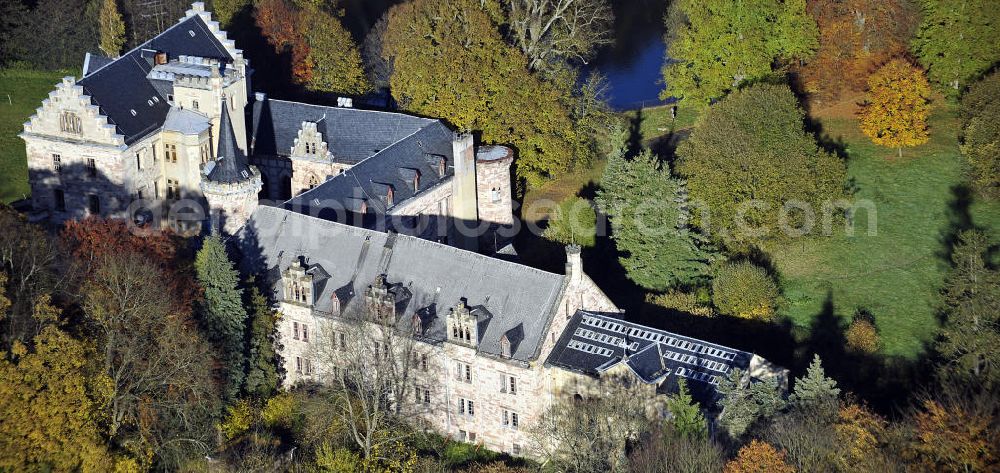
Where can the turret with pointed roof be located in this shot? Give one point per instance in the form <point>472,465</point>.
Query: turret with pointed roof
<point>230,183</point>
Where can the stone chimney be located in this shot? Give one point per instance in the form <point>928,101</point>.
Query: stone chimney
<point>465,210</point>
<point>574,264</point>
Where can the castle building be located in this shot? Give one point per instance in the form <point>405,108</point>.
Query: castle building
<point>497,342</point>
<point>352,215</point>
<point>144,134</point>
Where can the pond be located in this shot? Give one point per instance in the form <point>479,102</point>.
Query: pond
<point>632,64</point>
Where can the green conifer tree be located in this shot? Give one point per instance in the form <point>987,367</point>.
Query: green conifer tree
<point>262,364</point>
<point>815,391</point>
<point>221,309</point>
<point>112,29</point>
<point>685,414</point>
<point>744,403</point>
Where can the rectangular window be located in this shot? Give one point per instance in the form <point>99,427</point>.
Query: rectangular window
<point>516,449</point>
<point>463,372</point>
<point>305,333</point>
<point>205,155</point>
<point>427,396</point>
<point>94,204</point>
<point>138,162</point>
<point>154,153</point>
<point>171,152</point>
<point>423,362</point>
<point>194,104</point>
<point>295,330</point>
<point>298,364</point>
<point>60,200</point>
<point>91,167</point>
<point>508,384</point>
<point>343,342</point>
<point>510,419</point>
<point>466,407</point>
<point>156,189</point>
<point>57,163</point>
<point>307,366</point>
<point>172,191</point>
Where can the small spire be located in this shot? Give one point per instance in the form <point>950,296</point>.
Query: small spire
<point>231,164</point>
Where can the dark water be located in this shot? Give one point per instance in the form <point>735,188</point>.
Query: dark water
<point>632,65</point>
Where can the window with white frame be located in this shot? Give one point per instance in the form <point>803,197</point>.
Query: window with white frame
<point>508,384</point>
<point>466,407</point>
<point>463,372</point>
<point>510,420</point>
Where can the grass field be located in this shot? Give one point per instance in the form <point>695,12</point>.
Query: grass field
<point>21,92</point>
<point>896,273</point>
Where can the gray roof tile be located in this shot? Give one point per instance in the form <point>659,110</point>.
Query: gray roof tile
<point>428,278</point>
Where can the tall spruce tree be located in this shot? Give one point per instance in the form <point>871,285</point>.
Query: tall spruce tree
<point>263,375</point>
<point>221,309</point>
<point>971,333</point>
<point>815,392</point>
<point>112,29</point>
<point>647,207</point>
<point>685,414</point>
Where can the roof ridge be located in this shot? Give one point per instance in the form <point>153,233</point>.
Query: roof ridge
<point>362,110</point>
<point>422,241</point>
<point>140,46</point>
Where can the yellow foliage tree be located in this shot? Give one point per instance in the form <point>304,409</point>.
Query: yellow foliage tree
<point>50,416</point>
<point>759,457</point>
<point>896,111</point>
<point>112,29</point>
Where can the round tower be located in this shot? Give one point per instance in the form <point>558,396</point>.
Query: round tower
<point>230,184</point>
<point>493,184</point>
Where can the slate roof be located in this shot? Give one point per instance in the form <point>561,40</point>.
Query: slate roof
<point>351,134</point>
<point>231,164</point>
<point>94,61</point>
<point>121,86</point>
<point>426,278</point>
<point>186,121</point>
<point>593,343</point>
<point>369,179</point>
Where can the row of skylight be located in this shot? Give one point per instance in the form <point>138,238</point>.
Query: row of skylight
<point>658,337</point>
<point>603,338</point>
<point>588,348</point>
<point>697,376</point>
<point>692,360</point>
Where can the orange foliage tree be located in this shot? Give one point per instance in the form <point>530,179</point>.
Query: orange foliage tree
<point>951,436</point>
<point>759,457</point>
<point>895,114</point>
<point>855,37</point>
<point>278,21</point>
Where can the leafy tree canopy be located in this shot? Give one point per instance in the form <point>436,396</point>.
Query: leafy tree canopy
<point>896,112</point>
<point>744,290</point>
<point>957,41</point>
<point>451,61</point>
<point>981,135</point>
<point>749,157</point>
<point>721,44</point>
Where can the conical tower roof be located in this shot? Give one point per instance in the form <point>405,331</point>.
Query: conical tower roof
<point>231,164</point>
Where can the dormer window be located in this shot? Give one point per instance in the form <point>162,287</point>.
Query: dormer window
<point>442,166</point>
<point>505,346</point>
<point>463,326</point>
<point>381,301</point>
<point>69,122</point>
<point>298,284</point>
<point>411,176</point>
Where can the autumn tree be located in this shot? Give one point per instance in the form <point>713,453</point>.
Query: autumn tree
<point>751,168</point>
<point>30,262</point>
<point>745,290</point>
<point>855,37</point>
<point>971,330</point>
<point>591,434</point>
<point>161,396</point>
<point>450,61</point>
<point>718,45</point>
<point>896,110</point>
<point>112,29</point>
<point>956,432</point>
<point>647,207</point>
<point>662,450</point>
<point>333,56</point>
<point>957,41</point>
<point>221,308</point>
<point>50,401</point>
<point>758,457</point>
<point>559,30</point>
<point>981,135</point>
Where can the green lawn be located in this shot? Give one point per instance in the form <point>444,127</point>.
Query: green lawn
<point>21,92</point>
<point>895,274</point>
